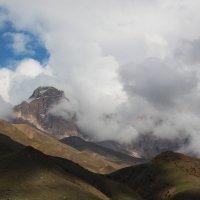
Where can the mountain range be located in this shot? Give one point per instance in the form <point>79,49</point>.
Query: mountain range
<point>36,111</point>
<point>27,173</point>
<point>45,156</point>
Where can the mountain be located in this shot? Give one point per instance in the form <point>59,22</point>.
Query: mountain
<point>169,176</point>
<point>150,145</point>
<point>27,173</point>
<point>36,112</point>
<point>120,147</point>
<point>29,136</point>
<point>86,146</point>
<point>147,145</point>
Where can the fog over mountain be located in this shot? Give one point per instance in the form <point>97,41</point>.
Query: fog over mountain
<point>127,67</point>
<point>5,109</point>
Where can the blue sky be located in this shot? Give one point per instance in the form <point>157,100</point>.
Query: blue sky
<point>16,45</point>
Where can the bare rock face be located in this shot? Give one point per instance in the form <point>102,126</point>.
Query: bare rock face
<point>36,112</point>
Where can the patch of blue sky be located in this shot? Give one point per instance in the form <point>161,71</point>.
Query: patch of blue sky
<point>16,45</point>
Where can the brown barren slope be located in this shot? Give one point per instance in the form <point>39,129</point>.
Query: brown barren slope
<point>30,136</point>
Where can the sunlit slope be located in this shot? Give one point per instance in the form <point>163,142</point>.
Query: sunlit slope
<point>27,135</point>
<point>168,176</point>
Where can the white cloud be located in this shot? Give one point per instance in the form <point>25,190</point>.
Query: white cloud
<point>159,81</point>
<point>3,18</point>
<point>15,86</point>
<point>5,77</point>
<point>31,68</point>
<point>101,55</point>
<point>5,109</point>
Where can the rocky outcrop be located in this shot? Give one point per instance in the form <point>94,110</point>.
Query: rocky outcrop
<point>35,111</point>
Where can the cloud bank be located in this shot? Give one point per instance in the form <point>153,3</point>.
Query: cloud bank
<point>129,67</point>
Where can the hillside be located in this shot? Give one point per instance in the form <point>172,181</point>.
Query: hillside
<point>169,176</point>
<point>86,146</point>
<point>30,136</point>
<point>27,173</point>
<point>8,146</point>
<point>54,171</point>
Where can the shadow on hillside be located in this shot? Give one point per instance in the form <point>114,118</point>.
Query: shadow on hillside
<point>20,164</point>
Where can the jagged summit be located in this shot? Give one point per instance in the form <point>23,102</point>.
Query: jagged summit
<point>46,91</point>
<point>37,112</point>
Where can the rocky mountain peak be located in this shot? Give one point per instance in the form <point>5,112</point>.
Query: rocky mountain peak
<point>46,91</point>
<point>37,112</point>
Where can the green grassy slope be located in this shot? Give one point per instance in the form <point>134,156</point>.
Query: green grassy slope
<point>168,176</point>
